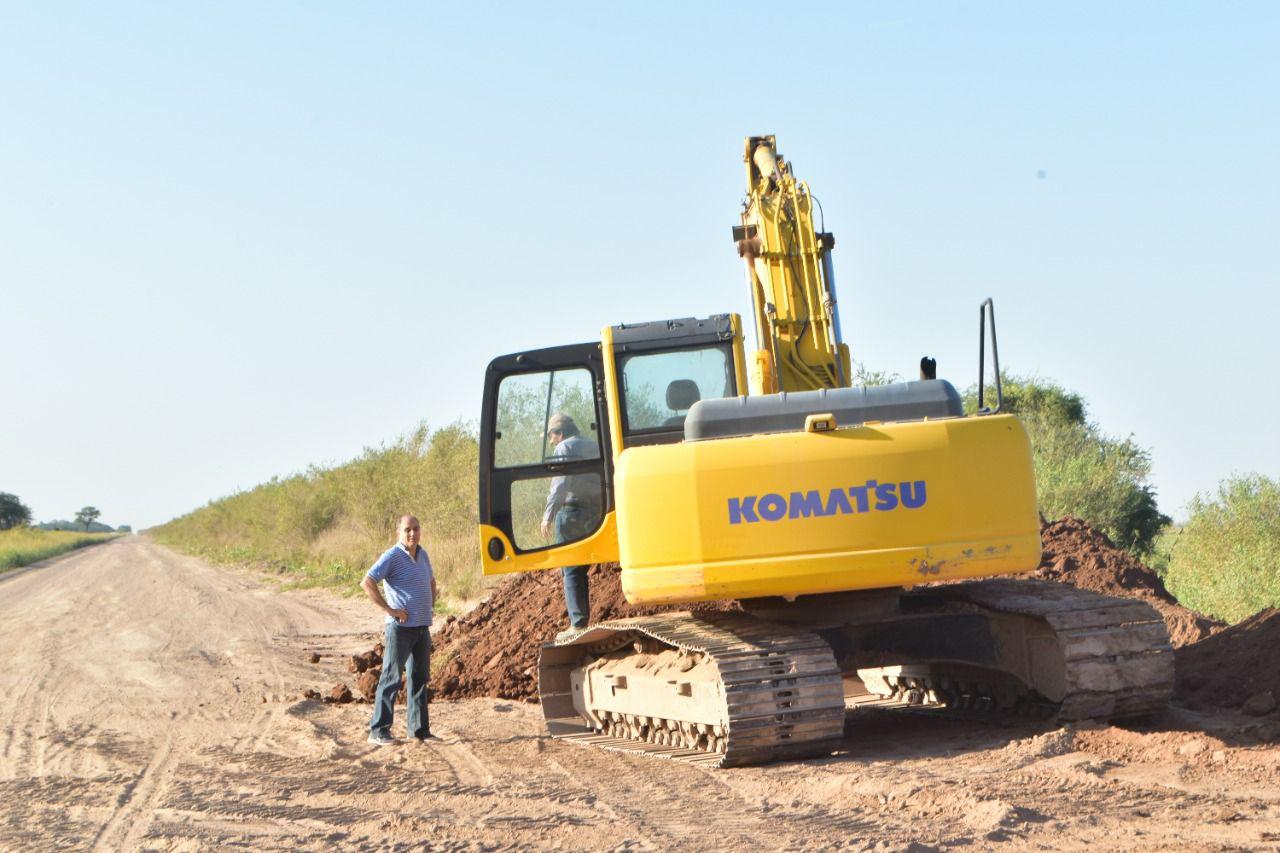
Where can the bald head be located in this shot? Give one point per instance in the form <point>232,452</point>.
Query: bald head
<point>410,531</point>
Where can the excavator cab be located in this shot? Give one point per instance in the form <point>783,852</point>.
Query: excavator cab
<point>634,388</point>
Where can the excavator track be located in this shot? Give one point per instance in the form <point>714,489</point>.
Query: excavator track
<point>781,693</point>
<point>1071,655</point>
<point>1117,658</point>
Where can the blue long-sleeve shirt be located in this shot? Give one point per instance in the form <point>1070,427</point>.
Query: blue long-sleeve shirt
<point>581,488</point>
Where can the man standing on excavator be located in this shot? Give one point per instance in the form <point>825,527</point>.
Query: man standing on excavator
<point>573,509</point>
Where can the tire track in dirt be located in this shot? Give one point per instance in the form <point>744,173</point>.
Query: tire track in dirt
<point>676,814</point>
<point>12,763</point>
<point>609,811</point>
<point>467,766</point>
<point>41,739</point>
<point>341,800</point>
<point>811,820</point>
<point>101,718</point>
<point>27,713</point>
<point>130,819</point>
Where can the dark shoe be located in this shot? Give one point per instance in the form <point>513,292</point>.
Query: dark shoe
<point>381,738</point>
<point>428,738</point>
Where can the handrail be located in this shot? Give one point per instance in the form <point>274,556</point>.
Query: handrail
<point>988,308</point>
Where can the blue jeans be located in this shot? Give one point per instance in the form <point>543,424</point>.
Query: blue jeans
<point>408,649</point>
<point>572,523</point>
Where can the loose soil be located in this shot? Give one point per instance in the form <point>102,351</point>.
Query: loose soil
<point>1077,554</point>
<point>493,650</point>
<point>1230,667</point>
<point>170,719</point>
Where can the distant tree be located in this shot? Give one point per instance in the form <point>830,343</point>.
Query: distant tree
<point>88,515</point>
<point>13,513</point>
<point>124,528</point>
<point>865,376</point>
<point>1030,396</point>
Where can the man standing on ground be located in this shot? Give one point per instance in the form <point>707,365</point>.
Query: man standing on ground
<point>411,593</point>
<point>573,508</point>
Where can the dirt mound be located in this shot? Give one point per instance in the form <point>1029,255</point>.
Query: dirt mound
<point>1234,665</point>
<point>494,648</point>
<point>1077,554</point>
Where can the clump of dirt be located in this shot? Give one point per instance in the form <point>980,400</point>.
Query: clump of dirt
<point>366,661</point>
<point>367,667</point>
<point>493,650</point>
<point>1077,554</point>
<point>1234,665</point>
<point>366,690</point>
<point>367,684</point>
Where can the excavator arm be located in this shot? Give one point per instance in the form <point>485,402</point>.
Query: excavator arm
<point>791,279</point>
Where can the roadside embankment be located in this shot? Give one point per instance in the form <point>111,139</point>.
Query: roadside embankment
<point>325,527</point>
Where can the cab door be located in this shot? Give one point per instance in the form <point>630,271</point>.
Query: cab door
<point>546,495</point>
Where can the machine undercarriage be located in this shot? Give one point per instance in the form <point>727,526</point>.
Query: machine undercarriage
<point>728,689</point>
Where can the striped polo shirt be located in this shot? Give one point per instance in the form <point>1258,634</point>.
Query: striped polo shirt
<point>406,583</point>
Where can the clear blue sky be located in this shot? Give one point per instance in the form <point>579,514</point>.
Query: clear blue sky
<point>238,239</point>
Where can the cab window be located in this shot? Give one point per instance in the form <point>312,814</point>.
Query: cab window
<point>658,389</point>
<point>527,402</point>
<point>548,419</point>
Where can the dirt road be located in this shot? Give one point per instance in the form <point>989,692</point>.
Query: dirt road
<point>133,712</point>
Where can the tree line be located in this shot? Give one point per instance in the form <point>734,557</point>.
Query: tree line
<point>14,513</point>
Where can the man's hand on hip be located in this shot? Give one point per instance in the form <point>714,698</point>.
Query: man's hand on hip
<point>398,615</point>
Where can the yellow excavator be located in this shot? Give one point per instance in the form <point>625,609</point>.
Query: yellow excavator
<point>863,530</point>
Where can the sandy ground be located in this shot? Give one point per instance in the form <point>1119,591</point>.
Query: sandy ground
<point>133,717</point>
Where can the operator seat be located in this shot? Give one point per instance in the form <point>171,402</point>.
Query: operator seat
<point>681,395</point>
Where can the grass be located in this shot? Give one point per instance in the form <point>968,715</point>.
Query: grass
<point>23,546</point>
<point>1225,561</point>
<point>325,527</point>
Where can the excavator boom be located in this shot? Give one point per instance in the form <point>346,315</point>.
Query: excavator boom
<point>791,280</point>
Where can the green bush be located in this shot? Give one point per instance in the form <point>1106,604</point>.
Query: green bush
<point>1158,559</point>
<point>325,527</point>
<point>1225,560</point>
<point>1079,470</point>
<point>865,376</point>
<point>1034,396</point>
